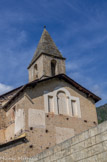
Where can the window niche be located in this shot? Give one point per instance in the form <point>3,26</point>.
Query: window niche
<point>74,107</point>
<point>50,104</point>
<point>53,67</point>
<point>13,113</point>
<point>61,102</point>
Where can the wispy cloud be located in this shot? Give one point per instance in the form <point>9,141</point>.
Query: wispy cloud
<point>5,88</point>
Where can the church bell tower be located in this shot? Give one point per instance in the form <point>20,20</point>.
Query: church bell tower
<point>47,60</point>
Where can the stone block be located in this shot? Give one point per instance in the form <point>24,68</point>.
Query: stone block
<point>75,140</point>
<point>57,148</point>
<point>105,145</point>
<point>77,147</point>
<point>65,144</point>
<point>93,140</point>
<point>104,136</point>
<point>102,127</point>
<point>98,138</point>
<point>59,155</point>
<point>69,159</point>
<point>36,118</point>
<point>93,131</point>
<point>97,149</point>
<point>86,134</point>
<point>87,143</point>
<point>81,136</point>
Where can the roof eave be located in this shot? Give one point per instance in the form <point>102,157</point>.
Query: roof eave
<point>4,94</point>
<point>61,76</point>
<point>86,91</point>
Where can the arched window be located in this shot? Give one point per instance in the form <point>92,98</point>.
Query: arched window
<point>35,67</point>
<point>36,71</point>
<point>53,67</point>
<point>62,102</point>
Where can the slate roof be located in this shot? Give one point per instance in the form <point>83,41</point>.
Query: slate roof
<point>59,76</point>
<point>47,46</point>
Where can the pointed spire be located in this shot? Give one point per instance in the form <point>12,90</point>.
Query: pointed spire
<point>47,46</point>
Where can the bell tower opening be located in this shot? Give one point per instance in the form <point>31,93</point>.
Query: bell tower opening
<point>47,60</point>
<point>36,71</point>
<point>53,68</point>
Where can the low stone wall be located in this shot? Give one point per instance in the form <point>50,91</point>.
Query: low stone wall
<point>89,146</point>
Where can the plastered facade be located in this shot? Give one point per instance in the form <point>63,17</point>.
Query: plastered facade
<point>19,120</point>
<point>27,114</point>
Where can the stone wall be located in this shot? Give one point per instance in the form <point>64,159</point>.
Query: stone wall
<point>43,64</point>
<point>60,65</point>
<point>89,146</point>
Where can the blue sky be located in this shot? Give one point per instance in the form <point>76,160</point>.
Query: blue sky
<point>78,27</point>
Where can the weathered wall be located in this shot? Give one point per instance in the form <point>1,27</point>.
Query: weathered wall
<point>44,130</point>
<point>2,125</point>
<point>89,146</point>
<point>60,65</point>
<point>2,118</point>
<point>44,67</point>
<point>86,104</point>
<point>19,120</point>
<point>35,74</point>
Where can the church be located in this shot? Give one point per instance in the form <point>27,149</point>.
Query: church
<point>48,110</point>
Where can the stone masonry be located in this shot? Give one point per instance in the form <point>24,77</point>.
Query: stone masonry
<point>89,146</point>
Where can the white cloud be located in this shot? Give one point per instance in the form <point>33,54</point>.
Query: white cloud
<point>71,66</point>
<point>5,88</point>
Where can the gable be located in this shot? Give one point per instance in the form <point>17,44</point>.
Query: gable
<point>60,77</point>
